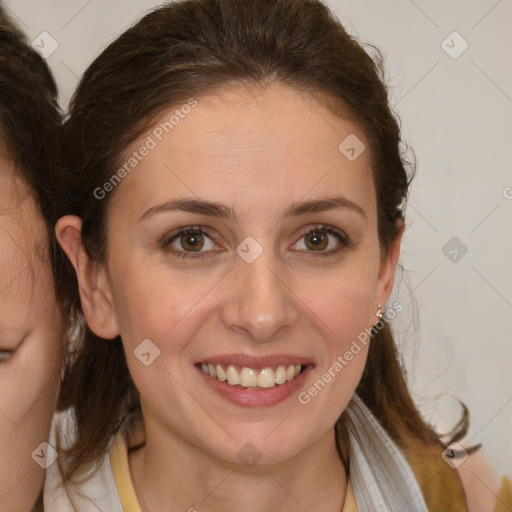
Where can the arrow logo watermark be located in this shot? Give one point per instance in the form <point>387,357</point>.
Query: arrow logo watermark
<point>454,455</point>
<point>454,249</point>
<point>45,455</point>
<point>249,455</point>
<point>45,45</point>
<point>352,147</point>
<point>249,250</point>
<point>454,45</point>
<point>147,352</point>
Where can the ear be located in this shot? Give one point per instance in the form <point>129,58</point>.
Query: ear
<point>387,269</point>
<point>93,285</point>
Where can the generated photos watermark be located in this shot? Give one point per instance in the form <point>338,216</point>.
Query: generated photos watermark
<point>150,143</point>
<point>304,397</point>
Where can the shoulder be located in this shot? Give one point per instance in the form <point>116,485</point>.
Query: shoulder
<point>96,489</point>
<point>480,483</point>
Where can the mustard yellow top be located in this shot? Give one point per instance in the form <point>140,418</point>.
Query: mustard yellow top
<point>504,501</point>
<point>131,438</point>
<point>121,470</point>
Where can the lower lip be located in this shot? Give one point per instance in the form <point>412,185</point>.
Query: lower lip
<point>256,397</point>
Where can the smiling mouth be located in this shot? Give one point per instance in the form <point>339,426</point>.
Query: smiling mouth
<point>244,377</point>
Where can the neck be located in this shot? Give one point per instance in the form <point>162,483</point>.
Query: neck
<point>189,479</point>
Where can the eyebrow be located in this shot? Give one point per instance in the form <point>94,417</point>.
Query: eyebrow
<point>215,209</point>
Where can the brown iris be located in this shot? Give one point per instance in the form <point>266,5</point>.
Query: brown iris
<point>318,240</point>
<point>192,240</point>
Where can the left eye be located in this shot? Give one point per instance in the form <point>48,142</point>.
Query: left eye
<point>319,237</point>
<point>5,355</point>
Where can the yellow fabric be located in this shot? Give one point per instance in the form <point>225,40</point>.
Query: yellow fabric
<point>350,501</point>
<point>123,441</point>
<point>439,483</point>
<point>504,501</point>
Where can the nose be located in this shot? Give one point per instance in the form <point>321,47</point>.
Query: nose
<point>259,298</point>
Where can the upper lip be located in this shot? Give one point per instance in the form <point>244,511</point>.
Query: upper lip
<point>256,362</point>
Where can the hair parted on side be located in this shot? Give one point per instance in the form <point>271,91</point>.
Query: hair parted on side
<point>180,51</point>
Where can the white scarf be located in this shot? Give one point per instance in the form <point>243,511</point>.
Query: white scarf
<point>381,478</point>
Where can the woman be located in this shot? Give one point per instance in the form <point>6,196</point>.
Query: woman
<point>30,323</point>
<point>237,356</point>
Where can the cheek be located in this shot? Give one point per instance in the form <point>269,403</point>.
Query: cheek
<point>29,384</point>
<point>157,319</point>
<point>344,301</point>
<point>341,308</point>
<point>341,316</point>
<point>30,381</point>
<point>152,303</point>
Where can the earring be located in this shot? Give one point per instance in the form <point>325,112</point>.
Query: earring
<point>380,313</point>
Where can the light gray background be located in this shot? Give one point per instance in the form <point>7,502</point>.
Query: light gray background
<point>455,331</point>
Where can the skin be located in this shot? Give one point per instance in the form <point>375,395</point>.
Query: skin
<point>30,335</point>
<point>480,482</point>
<point>246,149</point>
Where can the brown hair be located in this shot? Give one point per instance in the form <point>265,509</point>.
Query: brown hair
<point>182,50</point>
<point>30,117</point>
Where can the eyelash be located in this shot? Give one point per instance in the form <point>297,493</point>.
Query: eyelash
<point>5,355</point>
<point>342,238</point>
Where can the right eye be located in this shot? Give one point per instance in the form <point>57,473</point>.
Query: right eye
<point>196,237</point>
<point>5,355</point>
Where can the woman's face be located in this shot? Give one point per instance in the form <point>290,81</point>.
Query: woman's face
<point>30,335</point>
<point>249,173</point>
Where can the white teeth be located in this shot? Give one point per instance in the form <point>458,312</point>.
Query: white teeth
<point>249,378</point>
<point>280,375</point>
<point>221,374</point>
<point>266,378</point>
<point>233,376</point>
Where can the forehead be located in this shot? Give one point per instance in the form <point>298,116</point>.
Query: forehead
<point>18,211</point>
<point>248,144</point>
<point>13,187</point>
<point>21,234</point>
